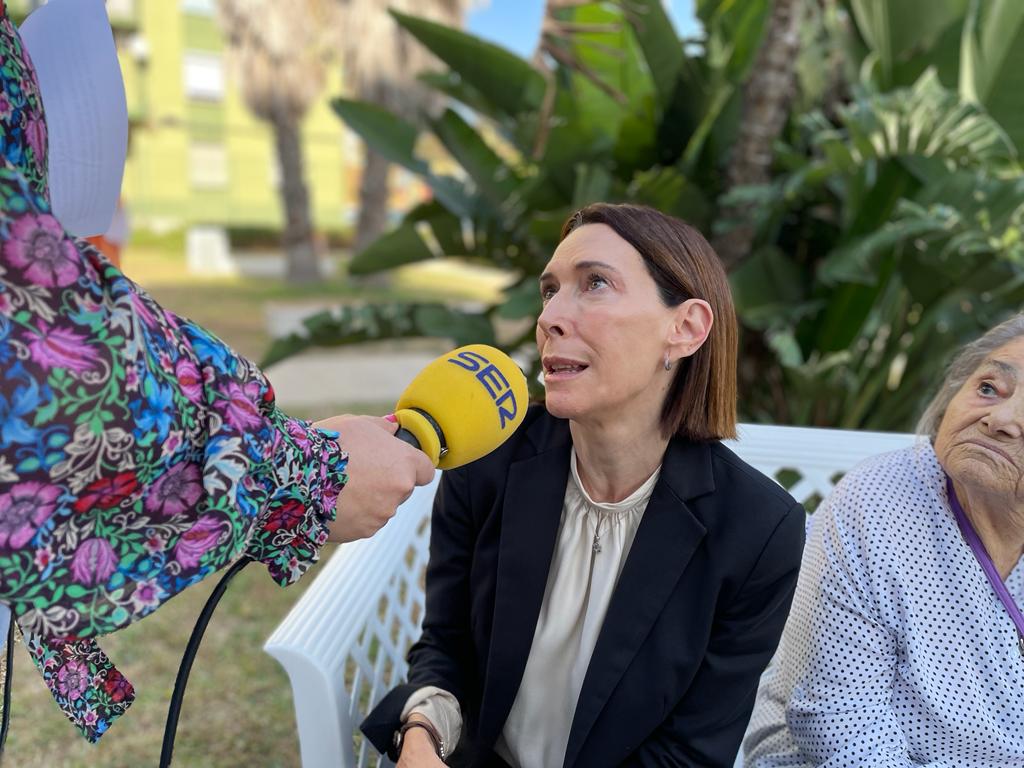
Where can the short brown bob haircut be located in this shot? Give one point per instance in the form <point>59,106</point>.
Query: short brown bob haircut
<point>701,403</point>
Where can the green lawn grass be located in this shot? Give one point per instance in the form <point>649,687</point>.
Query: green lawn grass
<point>238,710</point>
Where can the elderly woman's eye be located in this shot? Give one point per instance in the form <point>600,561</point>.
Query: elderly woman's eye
<point>986,389</point>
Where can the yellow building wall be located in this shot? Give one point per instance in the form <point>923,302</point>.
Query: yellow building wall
<point>154,39</point>
<point>167,123</point>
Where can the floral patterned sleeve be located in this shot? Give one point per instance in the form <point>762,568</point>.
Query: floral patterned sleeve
<point>138,455</point>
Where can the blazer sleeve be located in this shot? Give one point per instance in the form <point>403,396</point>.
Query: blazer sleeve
<point>445,648</point>
<point>707,725</point>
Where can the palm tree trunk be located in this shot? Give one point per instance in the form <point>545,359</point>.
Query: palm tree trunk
<point>299,245</point>
<point>767,96</point>
<point>373,199</point>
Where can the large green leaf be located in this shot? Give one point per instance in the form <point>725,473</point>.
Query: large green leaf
<point>702,116</point>
<point>734,30</point>
<point>668,190</point>
<point>635,146</point>
<point>684,111</point>
<point>492,177</point>
<point>498,75</point>
<point>848,309</point>
<point>372,322</point>
<point>712,114</point>
<point>404,244</point>
<point>969,234</point>
<point>461,327</point>
<point>446,230</point>
<point>545,227</point>
<point>942,55</point>
<point>521,300</point>
<point>926,120</point>
<point>395,139</point>
<point>387,134</point>
<point>768,288</point>
<point>897,29</point>
<point>454,86</point>
<point>926,128</point>
<point>856,262</point>
<point>661,46</point>
<point>592,185</point>
<point>992,62</point>
<point>348,325</point>
<point>574,137</point>
<point>429,231</point>
<point>612,90</point>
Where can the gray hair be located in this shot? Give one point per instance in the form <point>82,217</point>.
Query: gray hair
<point>963,366</point>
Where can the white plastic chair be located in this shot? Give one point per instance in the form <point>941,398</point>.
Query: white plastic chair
<point>344,643</point>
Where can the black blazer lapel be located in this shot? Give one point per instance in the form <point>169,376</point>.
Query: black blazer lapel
<point>665,541</point>
<point>531,512</point>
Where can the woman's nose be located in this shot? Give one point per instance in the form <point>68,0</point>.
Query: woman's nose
<point>552,320</point>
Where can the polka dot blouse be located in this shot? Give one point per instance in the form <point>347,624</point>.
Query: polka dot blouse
<point>897,651</point>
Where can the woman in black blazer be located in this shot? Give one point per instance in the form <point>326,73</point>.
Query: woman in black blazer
<point>607,587</point>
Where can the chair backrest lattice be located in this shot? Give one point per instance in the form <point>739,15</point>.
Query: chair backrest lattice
<point>376,662</point>
<point>344,643</point>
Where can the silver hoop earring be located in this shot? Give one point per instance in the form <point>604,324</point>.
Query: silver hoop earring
<point>668,363</point>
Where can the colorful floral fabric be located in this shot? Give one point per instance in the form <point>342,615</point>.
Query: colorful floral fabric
<point>23,138</point>
<point>138,453</point>
<point>87,687</point>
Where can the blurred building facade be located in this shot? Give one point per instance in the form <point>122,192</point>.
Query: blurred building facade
<point>197,157</point>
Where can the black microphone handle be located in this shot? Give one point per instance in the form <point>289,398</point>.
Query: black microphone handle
<point>406,436</point>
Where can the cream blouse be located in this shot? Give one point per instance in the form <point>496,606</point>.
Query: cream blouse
<point>594,539</point>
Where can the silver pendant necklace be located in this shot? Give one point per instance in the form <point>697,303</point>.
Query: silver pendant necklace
<point>595,545</point>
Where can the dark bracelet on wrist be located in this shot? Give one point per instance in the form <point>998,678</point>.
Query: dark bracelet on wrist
<point>435,737</point>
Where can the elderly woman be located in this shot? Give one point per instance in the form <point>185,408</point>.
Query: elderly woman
<point>905,646</point>
<point>607,587</point>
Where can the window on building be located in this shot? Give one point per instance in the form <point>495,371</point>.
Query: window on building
<point>198,7</point>
<point>204,76</point>
<point>207,165</point>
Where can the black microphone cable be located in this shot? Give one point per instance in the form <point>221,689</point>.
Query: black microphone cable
<point>8,677</point>
<point>180,683</point>
<point>174,710</point>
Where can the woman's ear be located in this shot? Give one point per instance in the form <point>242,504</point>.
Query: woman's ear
<point>690,328</point>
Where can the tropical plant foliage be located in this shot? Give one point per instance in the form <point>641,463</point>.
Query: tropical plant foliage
<point>620,112</point>
<point>889,234</point>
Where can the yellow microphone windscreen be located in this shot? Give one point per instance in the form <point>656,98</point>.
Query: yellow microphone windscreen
<point>477,397</point>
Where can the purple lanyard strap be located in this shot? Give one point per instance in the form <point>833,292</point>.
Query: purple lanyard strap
<point>981,554</point>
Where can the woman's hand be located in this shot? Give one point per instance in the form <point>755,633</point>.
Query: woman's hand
<point>418,748</point>
<point>382,473</point>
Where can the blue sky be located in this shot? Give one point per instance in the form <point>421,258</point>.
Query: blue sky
<point>515,24</point>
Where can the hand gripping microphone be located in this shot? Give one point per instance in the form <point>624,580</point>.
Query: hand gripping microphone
<point>460,407</point>
<point>463,405</point>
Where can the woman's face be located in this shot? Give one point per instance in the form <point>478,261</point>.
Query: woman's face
<point>980,442</point>
<point>604,331</point>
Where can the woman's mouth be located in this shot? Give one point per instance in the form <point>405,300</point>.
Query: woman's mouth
<point>991,449</point>
<point>562,370</point>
